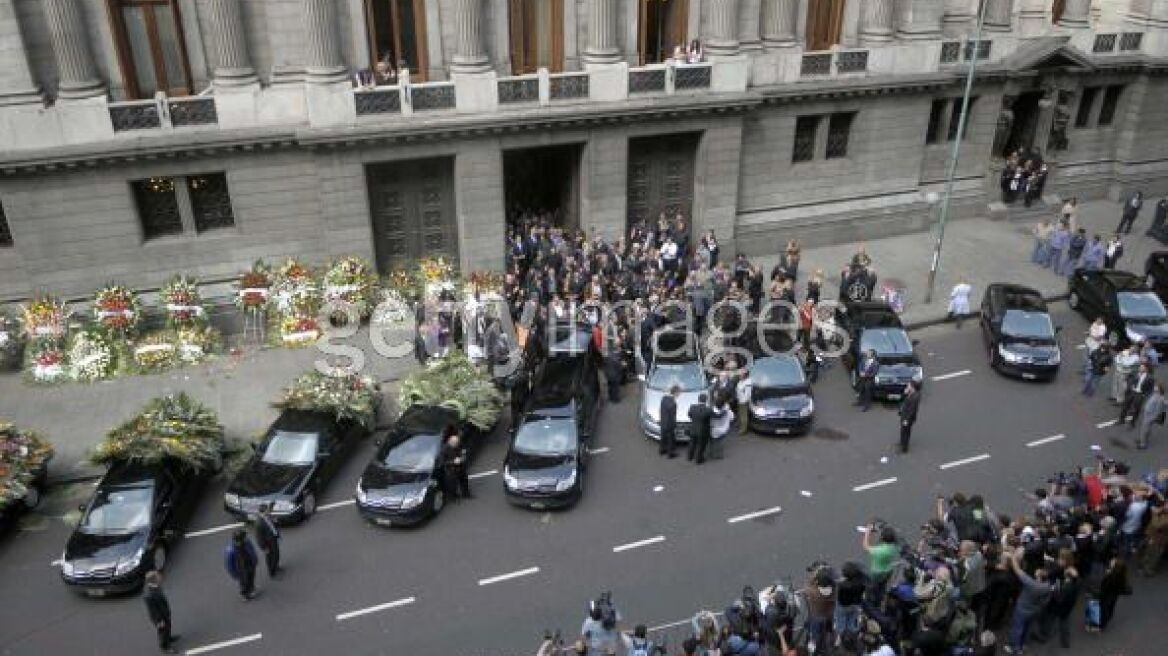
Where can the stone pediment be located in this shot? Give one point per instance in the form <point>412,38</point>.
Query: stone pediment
<point>1049,53</point>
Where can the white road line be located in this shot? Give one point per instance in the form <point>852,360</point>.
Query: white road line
<point>955,374</point>
<point>1105,424</point>
<point>216,529</point>
<point>965,461</point>
<point>338,504</point>
<point>511,575</point>
<point>484,474</point>
<point>754,515</point>
<point>638,543</point>
<point>1080,346</point>
<point>56,563</point>
<point>602,449</point>
<point>226,643</point>
<point>1046,440</point>
<point>373,609</point>
<point>869,486</point>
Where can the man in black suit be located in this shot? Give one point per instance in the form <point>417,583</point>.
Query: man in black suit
<point>1138,390</point>
<point>909,406</point>
<point>668,422</point>
<point>159,610</point>
<point>1131,210</point>
<point>268,538</point>
<point>699,429</point>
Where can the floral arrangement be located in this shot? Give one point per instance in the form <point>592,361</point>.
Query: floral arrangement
<point>91,357</point>
<point>156,352</point>
<point>46,318</point>
<point>348,396</point>
<point>351,279</point>
<point>115,308</point>
<point>392,308</point>
<point>297,331</point>
<point>184,303</point>
<point>254,287</point>
<point>435,269</point>
<point>45,362</point>
<point>23,454</point>
<point>404,283</point>
<point>173,427</point>
<point>293,285</point>
<point>484,282</point>
<point>454,382</point>
<point>195,344</point>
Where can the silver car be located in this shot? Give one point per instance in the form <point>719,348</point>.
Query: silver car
<point>686,372</point>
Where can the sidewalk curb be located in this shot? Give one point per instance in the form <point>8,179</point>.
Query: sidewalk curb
<point>936,321</point>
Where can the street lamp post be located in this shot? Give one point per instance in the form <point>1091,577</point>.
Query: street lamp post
<point>961,123</point>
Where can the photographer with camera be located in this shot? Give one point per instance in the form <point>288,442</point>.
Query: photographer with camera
<point>600,631</point>
<point>882,556</point>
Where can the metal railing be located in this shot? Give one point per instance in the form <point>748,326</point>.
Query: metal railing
<point>378,100</point>
<point>1104,43</point>
<point>135,115</point>
<point>692,76</point>
<point>566,86</point>
<point>815,64</point>
<point>954,52</point>
<point>829,63</point>
<point>1131,41</point>
<point>524,88</point>
<point>650,79</point>
<point>432,96</point>
<point>195,110</point>
<point>852,61</point>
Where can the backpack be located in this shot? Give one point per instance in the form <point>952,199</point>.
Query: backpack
<point>229,561</point>
<point>641,647</point>
<point>937,609</point>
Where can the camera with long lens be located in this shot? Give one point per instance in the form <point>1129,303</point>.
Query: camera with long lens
<point>602,610</point>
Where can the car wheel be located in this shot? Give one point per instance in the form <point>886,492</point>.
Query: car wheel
<point>309,505</point>
<point>439,501</point>
<point>32,497</point>
<point>1073,300</point>
<point>158,557</point>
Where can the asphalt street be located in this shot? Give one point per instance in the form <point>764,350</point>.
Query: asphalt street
<point>666,537</point>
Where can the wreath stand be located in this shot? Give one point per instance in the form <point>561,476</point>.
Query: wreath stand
<point>255,326</point>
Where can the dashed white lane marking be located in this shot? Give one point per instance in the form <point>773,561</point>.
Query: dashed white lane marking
<point>638,544</point>
<point>1080,347</point>
<point>226,643</point>
<point>484,474</point>
<point>658,488</point>
<point>373,609</point>
<point>510,575</point>
<point>1046,440</point>
<point>337,504</point>
<point>214,529</point>
<point>602,449</point>
<point>869,486</point>
<point>955,374</point>
<point>755,515</point>
<point>805,493</point>
<point>56,563</point>
<point>1105,424</point>
<point>965,461</point>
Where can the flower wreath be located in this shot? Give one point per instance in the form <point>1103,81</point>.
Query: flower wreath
<point>294,284</point>
<point>351,279</point>
<point>254,287</point>
<point>116,309</point>
<point>91,357</point>
<point>46,362</point>
<point>184,303</point>
<point>155,352</point>
<point>46,317</point>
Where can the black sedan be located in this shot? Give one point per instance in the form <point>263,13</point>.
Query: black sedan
<point>1156,270</point>
<point>544,467</point>
<point>127,528</point>
<point>1020,338</point>
<point>781,402</point>
<point>402,484</point>
<point>874,326</point>
<point>298,456</point>
<point>1131,310</point>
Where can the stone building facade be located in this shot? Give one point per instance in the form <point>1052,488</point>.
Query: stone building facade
<point>139,138</point>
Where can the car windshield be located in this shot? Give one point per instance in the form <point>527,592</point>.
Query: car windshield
<point>1140,305</point>
<point>1019,323</point>
<point>118,510</point>
<point>286,448</point>
<point>687,376</point>
<point>885,341</point>
<point>415,455</point>
<point>776,372</point>
<point>547,437</point>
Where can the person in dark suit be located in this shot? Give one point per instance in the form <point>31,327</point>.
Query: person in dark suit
<point>158,609</point>
<point>1131,211</point>
<point>668,417</point>
<point>454,466</point>
<point>241,563</point>
<point>1158,220</point>
<point>1137,391</point>
<point>268,538</point>
<point>700,415</point>
<point>613,368</point>
<point>867,368</point>
<point>909,406</point>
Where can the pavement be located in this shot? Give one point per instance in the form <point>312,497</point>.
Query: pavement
<point>666,537</point>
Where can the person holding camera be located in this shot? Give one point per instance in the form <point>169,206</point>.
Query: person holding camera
<point>600,631</point>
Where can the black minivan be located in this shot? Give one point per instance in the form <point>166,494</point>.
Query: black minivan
<point>548,453</point>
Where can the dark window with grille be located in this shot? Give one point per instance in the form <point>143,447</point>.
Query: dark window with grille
<point>839,129</point>
<point>1110,102</point>
<point>157,207</point>
<point>210,202</point>
<point>955,119</point>
<point>806,128</point>
<point>1086,104</point>
<point>5,233</point>
<point>936,113</point>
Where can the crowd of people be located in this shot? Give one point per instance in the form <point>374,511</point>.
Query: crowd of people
<point>975,583</point>
<point>1023,177</point>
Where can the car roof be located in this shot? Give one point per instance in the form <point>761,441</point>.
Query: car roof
<point>555,390</point>
<point>1123,280</point>
<point>672,340</point>
<point>874,314</point>
<point>130,474</point>
<point>418,419</point>
<point>304,420</point>
<point>1008,296</point>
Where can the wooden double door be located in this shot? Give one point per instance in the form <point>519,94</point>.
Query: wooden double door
<point>661,176</point>
<point>413,211</point>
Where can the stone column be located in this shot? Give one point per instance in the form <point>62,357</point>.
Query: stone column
<point>1046,108</point>
<point>750,24</point>
<point>232,64</point>
<point>876,22</point>
<point>919,20</point>
<point>602,48</point>
<point>1076,15</point>
<point>16,83</point>
<point>324,64</point>
<point>77,76</point>
<point>998,15</point>
<point>723,39</point>
<point>780,21</point>
<point>470,55</point>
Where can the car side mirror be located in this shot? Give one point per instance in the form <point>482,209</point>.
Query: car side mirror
<point>81,507</point>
